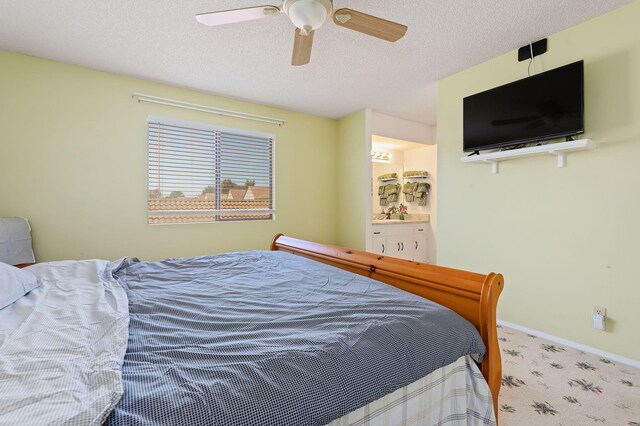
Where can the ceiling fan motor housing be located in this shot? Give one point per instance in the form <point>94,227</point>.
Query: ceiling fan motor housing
<point>308,15</point>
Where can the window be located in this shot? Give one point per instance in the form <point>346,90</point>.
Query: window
<point>201,173</point>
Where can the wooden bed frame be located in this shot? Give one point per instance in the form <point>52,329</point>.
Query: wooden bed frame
<point>473,296</point>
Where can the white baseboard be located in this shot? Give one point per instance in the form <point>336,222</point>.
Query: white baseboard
<point>572,344</point>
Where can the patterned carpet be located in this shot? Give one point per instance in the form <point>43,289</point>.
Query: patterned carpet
<point>544,383</point>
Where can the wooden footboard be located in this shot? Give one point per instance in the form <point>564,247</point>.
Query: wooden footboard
<point>473,296</point>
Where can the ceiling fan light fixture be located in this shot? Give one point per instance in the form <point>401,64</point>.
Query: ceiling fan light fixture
<point>308,15</point>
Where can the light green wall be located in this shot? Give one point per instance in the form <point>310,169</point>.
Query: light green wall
<point>73,155</point>
<point>354,187</point>
<point>565,238</point>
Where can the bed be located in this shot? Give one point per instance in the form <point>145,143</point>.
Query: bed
<point>278,337</point>
<point>473,296</point>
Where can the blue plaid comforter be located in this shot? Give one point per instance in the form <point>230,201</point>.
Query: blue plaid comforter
<point>269,338</point>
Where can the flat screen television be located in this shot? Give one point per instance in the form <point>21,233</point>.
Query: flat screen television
<point>538,108</point>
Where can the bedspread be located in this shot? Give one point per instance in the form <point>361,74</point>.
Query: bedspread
<point>62,347</point>
<point>269,338</point>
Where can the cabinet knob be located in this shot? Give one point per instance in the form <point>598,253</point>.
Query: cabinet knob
<point>402,244</point>
<point>383,248</point>
<point>376,233</point>
<point>398,246</point>
<point>416,245</point>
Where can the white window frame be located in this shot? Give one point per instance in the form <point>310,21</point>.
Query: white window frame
<point>217,213</point>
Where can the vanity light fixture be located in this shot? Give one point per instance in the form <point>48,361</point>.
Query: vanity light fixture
<point>382,156</point>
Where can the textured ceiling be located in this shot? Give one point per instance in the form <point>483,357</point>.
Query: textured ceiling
<point>160,40</point>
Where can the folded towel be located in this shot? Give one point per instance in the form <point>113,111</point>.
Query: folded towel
<point>407,190</point>
<point>423,187</point>
<point>392,189</point>
<point>382,193</point>
<point>421,193</point>
<point>388,176</point>
<point>389,189</point>
<point>416,173</point>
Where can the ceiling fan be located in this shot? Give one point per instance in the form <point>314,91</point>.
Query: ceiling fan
<point>308,16</point>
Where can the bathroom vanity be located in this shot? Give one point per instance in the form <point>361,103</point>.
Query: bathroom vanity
<point>405,239</point>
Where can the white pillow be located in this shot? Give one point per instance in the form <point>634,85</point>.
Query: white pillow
<point>14,283</point>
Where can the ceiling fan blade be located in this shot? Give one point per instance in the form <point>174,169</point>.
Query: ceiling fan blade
<point>237,15</point>
<point>370,25</point>
<point>302,48</point>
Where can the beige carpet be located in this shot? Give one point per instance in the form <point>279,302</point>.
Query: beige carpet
<point>544,383</point>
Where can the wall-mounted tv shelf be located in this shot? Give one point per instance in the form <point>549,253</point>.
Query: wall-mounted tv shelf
<point>559,149</point>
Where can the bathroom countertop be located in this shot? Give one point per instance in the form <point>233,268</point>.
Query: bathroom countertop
<point>397,221</point>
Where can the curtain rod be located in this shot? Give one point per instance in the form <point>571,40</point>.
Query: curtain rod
<point>141,97</point>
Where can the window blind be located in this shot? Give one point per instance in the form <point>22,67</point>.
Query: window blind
<point>200,173</point>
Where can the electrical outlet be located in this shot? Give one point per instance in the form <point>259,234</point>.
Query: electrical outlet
<point>599,310</point>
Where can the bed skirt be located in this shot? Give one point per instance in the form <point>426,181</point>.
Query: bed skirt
<point>456,394</point>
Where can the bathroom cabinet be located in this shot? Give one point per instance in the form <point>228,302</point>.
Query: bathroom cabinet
<point>405,241</point>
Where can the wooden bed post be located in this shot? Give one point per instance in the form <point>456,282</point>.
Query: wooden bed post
<point>491,366</point>
<point>473,296</point>
<point>273,246</point>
